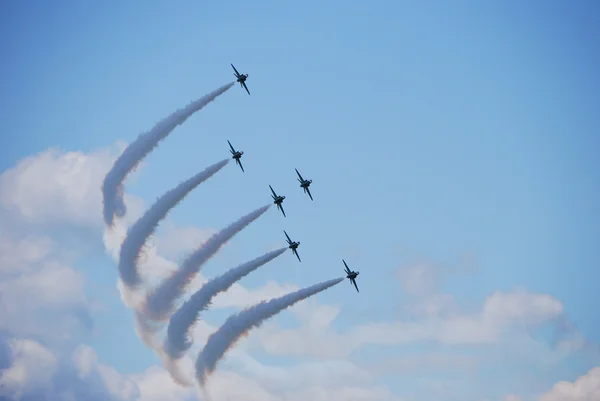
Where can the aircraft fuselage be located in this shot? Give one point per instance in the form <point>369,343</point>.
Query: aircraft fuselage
<point>237,155</point>
<point>242,78</point>
<point>352,275</point>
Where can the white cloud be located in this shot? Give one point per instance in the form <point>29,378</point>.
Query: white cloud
<point>498,316</point>
<point>84,359</point>
<point>60,187</point>
<point>292,378</point>
<point>40,291</point>
<point>56,187</point>
<point>19,254</point>
<point>120,386</point>
<point>521,307</point>
<point>323,380</point>
<point>421,278</point>
<point>511,397</point>
<point>54,285</point>
<point>33,367</point>
<point>31,300</point>
<point>42,297</point>
<point>155,384</point>
<point>585,388</point>
<point>38,287</point>
<point>37,373</point>
<point>433,306</point>
<point>425,363</point>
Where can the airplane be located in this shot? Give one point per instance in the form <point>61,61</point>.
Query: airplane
<point>241,78</point>
<point>278,200</point>
<point>351,275</point>
<point>237,155</point>
<point>304,184</point>
<point>293,245</point>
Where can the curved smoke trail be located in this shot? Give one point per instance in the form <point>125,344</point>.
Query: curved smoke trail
<point>146,225</point>
<point>178,339</point>
<point>160,302</point>
<point>239,324</point>
<point>112,187</point>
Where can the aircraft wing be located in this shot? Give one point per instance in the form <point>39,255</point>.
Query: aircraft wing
<point>287,236</point>
<point>308,192</point>
<point>274,194</point>
<point>347,269</point>
<point>298,256</point>
<point>231,146</point>
<point>302,179</point>
<point>236,71</point>
<point>245,87</point>
<point>240,163</point>
<point>282,211</point>
<point>355,286</point>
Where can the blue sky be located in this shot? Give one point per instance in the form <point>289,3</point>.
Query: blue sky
<point>462,135</point>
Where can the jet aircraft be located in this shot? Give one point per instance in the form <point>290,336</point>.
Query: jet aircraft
<point>304,184</point>
<point>351,275</point>
<point>237,155</point>
<point>278,200</point>
<point>293,245</point>
<point>241,78</point>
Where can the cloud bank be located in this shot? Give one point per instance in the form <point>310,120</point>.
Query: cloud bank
<point>52,230</point>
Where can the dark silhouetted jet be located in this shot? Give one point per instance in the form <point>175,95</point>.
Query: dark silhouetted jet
<point>304,184</point>
<point>293,245</point>
<point>351,275</point>
<point>241,78</point>
<point>278,200</point>
<point>237,155</point>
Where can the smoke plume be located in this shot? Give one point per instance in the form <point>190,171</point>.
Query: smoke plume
<point>146,225</point>
<point>241,323</point>
<point>112,188</point>
<point>178,339</point>
<point>160,302</point>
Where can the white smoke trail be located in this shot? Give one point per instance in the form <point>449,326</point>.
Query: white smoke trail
<point>178,339</point>
<point>112,187</point>
<point>241,323</point>
<point>175,371</point>
<point>146,225</point>
<point>146,330</point>
<point>160,302</point>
